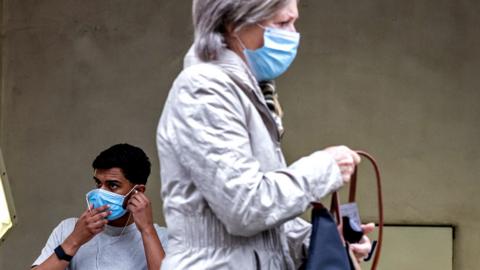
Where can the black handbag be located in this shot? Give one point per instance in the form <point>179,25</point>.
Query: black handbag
<point>332,231</point>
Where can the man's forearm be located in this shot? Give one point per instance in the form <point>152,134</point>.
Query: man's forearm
<point>154,252</point>
<point>69,246</point>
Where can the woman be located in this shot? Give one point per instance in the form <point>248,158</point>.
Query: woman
<point>230,201</point>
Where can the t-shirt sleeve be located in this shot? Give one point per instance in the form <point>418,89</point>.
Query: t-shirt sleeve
<point>56,238</point>
<point>162,233</point>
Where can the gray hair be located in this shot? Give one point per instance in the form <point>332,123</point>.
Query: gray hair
<point>212,17</point>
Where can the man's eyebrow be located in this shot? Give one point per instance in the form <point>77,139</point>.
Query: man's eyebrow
<point>113,181</point>
<point>108,180</point>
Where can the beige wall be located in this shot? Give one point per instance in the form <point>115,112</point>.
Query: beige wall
<point>397,78</point>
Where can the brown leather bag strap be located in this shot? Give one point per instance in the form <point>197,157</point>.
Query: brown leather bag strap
<point>335,206</point>
<point>352,194</point>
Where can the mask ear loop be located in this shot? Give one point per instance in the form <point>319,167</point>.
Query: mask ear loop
<point>133,189</point>
<point>129,214</point>
<point>261,26</point>
<point>86,195</point>
<point>88,203</point>
<point>126,224</point>
<point>240,42</point>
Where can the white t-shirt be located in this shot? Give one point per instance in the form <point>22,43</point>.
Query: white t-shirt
<point>110,249</point>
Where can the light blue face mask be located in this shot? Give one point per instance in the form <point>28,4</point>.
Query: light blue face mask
<point>99,197</point>
<point>276,55</point>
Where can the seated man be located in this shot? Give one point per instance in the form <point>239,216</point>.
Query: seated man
<point>117,230</point>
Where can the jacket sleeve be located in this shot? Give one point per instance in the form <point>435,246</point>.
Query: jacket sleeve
<point>212,141</point>
<point>298,233</point>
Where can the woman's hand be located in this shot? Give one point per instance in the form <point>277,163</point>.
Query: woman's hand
<point>141,208</point>
<point>363,248</point>
<point>346,160</point>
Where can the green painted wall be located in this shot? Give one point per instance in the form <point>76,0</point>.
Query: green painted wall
<point>396,78</point>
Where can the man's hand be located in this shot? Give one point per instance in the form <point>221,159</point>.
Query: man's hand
<point>141,208</point>
<point>90,223</point>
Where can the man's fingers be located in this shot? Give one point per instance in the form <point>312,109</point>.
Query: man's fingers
<point>104,214</point>
<point>138,202</point>
<point>136,198</point>
<point>96,230</point>
<point>98,217</point>
<point>85,214</point>
<point>97,224</point>
<point>139,199</point>
<point>100,209</point>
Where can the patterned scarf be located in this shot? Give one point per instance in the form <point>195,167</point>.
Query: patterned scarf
<point>271,98</point>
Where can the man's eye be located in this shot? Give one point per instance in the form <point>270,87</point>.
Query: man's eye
<point>113,186</point>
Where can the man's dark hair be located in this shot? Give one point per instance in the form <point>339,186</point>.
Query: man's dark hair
<point>132,160</point>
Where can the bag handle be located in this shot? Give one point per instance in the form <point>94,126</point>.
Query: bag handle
<point>335,205</point>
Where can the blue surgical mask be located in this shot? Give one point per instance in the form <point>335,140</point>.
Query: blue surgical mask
<point>99,197</point>
<point>276,55</point>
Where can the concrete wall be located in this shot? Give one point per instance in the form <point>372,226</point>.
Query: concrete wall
<point>397,78</point>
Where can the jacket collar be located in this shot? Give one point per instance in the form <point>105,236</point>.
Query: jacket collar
<point>229,61</point>
<point>238,70</point>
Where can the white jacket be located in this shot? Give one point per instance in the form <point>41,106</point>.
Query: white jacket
<point>230,201</point>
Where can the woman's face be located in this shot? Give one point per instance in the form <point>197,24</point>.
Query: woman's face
<point>252,36</point>
<point>285,18</point>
